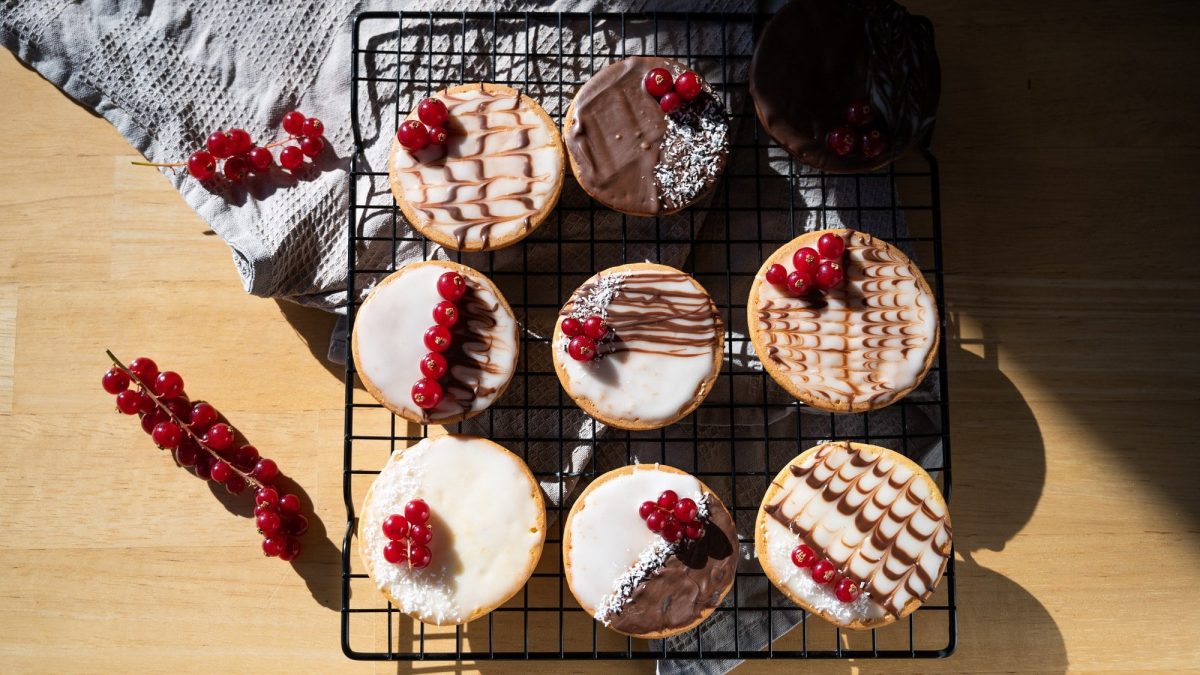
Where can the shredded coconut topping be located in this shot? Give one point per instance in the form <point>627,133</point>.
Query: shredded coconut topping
<point>602,295</point>
<point>692,149</point>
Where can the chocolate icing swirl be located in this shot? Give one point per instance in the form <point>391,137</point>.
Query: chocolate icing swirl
<point>891,546</point>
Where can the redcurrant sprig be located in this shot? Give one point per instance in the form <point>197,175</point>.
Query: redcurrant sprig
<point>845,140</point>
<point>207,446</point>
<point>672,94</point>
<point>427,392</point>
<point>672,517</point>
<point>819,270</point>
<point>585,336</point>
<point>428,129</point>
<point>409,536</point>
<point>824,573</point>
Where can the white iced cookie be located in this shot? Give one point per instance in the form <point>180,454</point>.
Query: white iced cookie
<point>660,356</point>
<point>389,343</point>
<point>637,581</point>
<point>869,516</point>
<point>857,347</point>
<point>487,519</point>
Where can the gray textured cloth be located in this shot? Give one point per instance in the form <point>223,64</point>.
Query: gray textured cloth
<point>167,74</point>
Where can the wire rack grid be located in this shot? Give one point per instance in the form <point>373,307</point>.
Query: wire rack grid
<point>740,436</point>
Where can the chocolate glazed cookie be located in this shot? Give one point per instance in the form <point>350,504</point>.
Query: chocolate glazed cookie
<point>816,57</point>
<point>630,155</point>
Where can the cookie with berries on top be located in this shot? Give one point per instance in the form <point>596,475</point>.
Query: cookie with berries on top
<point>843,321</point>
<point>477,167</point>
<point>435,342</point>
<point>647,136</point>
<point>856,567</point>
<point>639,346</point>
<point>846,85</point>
<point>649,550</point>
<point>451,528</point>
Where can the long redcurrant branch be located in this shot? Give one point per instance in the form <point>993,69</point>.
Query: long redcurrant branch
<point>176,165</point>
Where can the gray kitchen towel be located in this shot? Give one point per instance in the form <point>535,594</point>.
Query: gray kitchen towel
<point>166,74</point>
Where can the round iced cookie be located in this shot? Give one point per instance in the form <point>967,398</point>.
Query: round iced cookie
<point>487,519</point>
<point>818,58</point>
<point>494,181</point>
<point>661,353</point>
<point>390,345</point>
<point>634,580</point>
<point>859,346</point>
<point>633,157</point>
<point>871,518</point>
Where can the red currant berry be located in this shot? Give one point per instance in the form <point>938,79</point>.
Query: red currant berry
<point>646,509</point>
<point>427,393</point>
<point>395,552</point>
<point>291,158</point>
<point>823,571</point>
<point>860,113</point>
<point>313,128</point>
<point>433,365</point>
<point>203,466</point>
<point>420,533</point>
<point>438,136</point>
<point>311,146</point>
<point>115,381</point>
<point>202,165</point>
<point>221,471</point>
<point>445,313</point>
<point>831,246</point>
<point>419,556</point>
<point>412,135</point>
<point>595,328</point>
<point>187,452</point>
<point>686,510</point>
<point>803,556</point>
<point>152,419</point>
<point>395,527</point>
<point>672,531</point>
<point>245,457</point>
<point>168,384</point>
<point>219,144</point>
<point>129,402</point>
<point>236,168</point>
<point>694,531</point>
<point>799,284</point>
<point>688,85</point>
<point>452,286</point>
<point>266,471</point>
<point>777,275</point>
<point>417,511</point>
<point>437,338</point>
<point>273,546</point>
<point>144,369</point>
<point>830,275</point>
<point>293,123</point>
<point>572,327</point>
<point>239,142</point>
<point>167,435</point>
<point>145,403</point>
<point>267,496</point>
<point>846,590</point>
<point>433,112</point>
<point>235,485</point>
<point>268,523</point>
<point>806,260</point>
<point>668,499</point>
<point>291,551</point>
<point>582,348</point>
<point>289,505</point>
<point>841,140</point>
<point>180,408</point>
<point>670,102</point>
<point>203,416</point>
<point>296,526</point>
<point>658,82</point>
<point>656,519</point>
<point>260,159</point>
<point>874,144</point>
<point>219,437</point>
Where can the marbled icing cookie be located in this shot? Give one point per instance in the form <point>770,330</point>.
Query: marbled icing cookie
<point>494,181</point>
<point>867,515</point>
<point>857,347</point>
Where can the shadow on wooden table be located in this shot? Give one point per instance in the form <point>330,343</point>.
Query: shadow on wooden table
<point>314,327</point>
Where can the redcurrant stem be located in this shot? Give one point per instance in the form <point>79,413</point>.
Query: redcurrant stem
<point>180,423</point>
<point>174,165</point>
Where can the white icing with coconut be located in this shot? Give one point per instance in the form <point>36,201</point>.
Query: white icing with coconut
<point>484,514</point>
<point>389,331</point>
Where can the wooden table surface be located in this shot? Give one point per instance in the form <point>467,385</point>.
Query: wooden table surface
<point>1069,144</point>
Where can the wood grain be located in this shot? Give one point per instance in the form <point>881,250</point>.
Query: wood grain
<point>1069,152</point>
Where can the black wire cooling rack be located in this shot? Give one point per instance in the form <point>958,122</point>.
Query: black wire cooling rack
<point>747,428</point>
